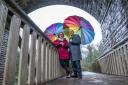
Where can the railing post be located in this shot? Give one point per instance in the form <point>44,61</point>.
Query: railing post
<point>50,63</point>
<point>107,64</point>
<point>38,62</point>
<point>54,64</point>
<point>58,64</point>
<point>22,79</point>
<point>116,57</point>
<point>112,65</point>
<point>101,61</point>
<point>12,51</point>
<point>123,61</point>
<point>31,77</point>
<point>115,64</point>
<point>109,70</point>
<point>43,57</point>
<point>119,61</point>
<point>126,55</point>
<point>46,62</point>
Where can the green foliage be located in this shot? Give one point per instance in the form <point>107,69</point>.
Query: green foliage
<point>90,59</point>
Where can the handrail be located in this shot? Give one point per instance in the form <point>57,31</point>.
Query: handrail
<point>114,47</point>
<point>14,7</point>
<point>116,61</point>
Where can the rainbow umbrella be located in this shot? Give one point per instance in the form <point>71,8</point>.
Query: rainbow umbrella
<point>52,31</point>
<point>81,27</point>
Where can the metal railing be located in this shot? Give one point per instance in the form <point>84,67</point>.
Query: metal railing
<point>30,58</point>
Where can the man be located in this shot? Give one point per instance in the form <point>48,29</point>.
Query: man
<point>74,45</point>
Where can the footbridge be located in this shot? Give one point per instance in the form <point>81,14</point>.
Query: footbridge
<point>28,57</point>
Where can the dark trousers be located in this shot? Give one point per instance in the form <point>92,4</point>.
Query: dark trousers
<point>65,64</point>
<point>77,68</point>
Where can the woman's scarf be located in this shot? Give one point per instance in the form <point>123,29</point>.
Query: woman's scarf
<point>61,39</point>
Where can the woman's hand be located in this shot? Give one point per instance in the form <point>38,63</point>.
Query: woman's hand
<point>62,43</point>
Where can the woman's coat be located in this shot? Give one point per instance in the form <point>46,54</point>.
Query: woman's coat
<point>62,49</point>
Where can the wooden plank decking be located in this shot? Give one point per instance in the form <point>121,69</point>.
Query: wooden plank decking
<point>90,78</point>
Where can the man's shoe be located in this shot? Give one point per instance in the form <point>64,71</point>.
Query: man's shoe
<point>68,76</point>
<point>73,76</point>
<point>79,77</point>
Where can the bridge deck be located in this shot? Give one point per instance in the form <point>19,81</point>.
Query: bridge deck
<point>92,79</point>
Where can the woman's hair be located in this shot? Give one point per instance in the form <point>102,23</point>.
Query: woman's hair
<point>61,33</point>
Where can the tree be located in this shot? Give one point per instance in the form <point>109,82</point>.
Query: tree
<point>91,57</point>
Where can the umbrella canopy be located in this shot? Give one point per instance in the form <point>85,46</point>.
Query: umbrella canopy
<point>72,22</point>
<point>80,26</point>
<point>52,31</point>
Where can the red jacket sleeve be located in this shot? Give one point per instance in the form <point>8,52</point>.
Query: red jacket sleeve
<point>57,43</point>
<point>65,44</point>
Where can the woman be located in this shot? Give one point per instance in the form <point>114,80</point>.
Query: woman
<point>62,45</point>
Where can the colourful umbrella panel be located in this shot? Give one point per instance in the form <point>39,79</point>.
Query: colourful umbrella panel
<point>52,31</point>
<point>87,31</point>
<point>81,27</point>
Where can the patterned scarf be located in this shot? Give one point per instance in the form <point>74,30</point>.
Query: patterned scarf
<point>61,39</point>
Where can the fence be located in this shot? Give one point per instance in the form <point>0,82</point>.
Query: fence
<point>30,58</point>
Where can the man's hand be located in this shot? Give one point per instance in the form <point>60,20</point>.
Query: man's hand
<point>70,40</point>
